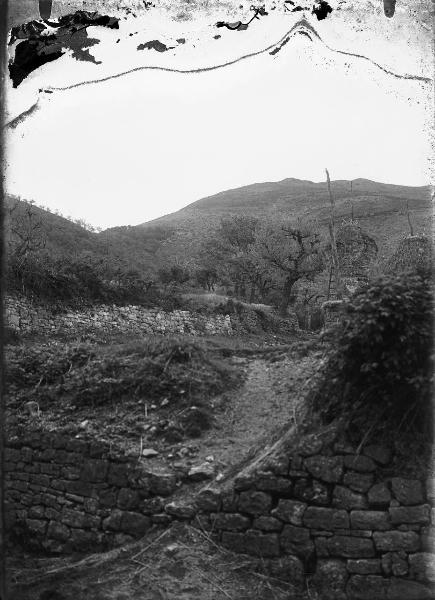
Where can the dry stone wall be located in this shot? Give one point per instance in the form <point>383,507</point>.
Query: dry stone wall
<point>25,317</point>
<point>347,523</point>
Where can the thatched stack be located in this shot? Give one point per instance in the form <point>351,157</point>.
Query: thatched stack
<point>413,253</point>
<point>356,250</point>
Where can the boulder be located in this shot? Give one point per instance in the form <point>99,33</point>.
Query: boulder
<point>407,491</point>
<point>290,511</point>
<point>325,468</point>
<point>330,579</point>
<point>255,503</point>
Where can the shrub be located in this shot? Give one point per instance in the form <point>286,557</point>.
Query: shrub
<point>380,366</point>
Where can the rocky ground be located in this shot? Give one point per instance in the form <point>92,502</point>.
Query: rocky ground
<point>184,563</point>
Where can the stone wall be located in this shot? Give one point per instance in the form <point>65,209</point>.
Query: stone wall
<point>65,494</point>
<point>25,317</point>
<point>345,520</point>
<point>350,524</point>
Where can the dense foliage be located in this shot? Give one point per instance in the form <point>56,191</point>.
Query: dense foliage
<point>379,368</point>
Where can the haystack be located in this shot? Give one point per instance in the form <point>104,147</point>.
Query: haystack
<point>413,253</point>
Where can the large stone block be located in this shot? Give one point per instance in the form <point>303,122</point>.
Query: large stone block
<point>79,520</point>
<point>252,542</point>
<point>311,491</point>
<point>381,454</point>
<point>364,566</point>
<point>422,566</point>
<point>343,546</point>
<point>379,495</point>
<point>128,499</point>
<point>267,524</point>
<point>403,589</point>
<point>356,462</point>
<point>348,500</point>
<point>134,524</point>
<point>325,468</point>
<point>94,470</point>
<point>358,482</point>
<point>296,540</point>
<point>330,579</point>
<point>255,503</point>
<point>272,483</point>
<point>57,531</point>
<point>231,522</point>
<point>117,475</point>
<point>367,587</point>
<point>325,518</point>
<point>410,514</point>
<point>290,511</point>
<point>209,500</point>
<point>392,541</point>
<point>162,484</point>
<point>370,519</point>
<point>395,563</point>
<point>407,491</point>
<point>180,509</point>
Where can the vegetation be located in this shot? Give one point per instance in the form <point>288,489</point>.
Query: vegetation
<point>380,364</point>
<point>183,372</point>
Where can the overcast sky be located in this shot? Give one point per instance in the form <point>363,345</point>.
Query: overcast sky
<point>140,146</point>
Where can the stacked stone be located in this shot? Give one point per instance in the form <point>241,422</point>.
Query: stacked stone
<point>361,535</point>
<point>26,317</point>
<point>65,495</point>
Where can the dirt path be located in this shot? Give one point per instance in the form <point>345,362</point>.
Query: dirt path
<point>269,398</point>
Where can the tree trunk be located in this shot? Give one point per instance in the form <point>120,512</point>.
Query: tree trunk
<point>287,295</point>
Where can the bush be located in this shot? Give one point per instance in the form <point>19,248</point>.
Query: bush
<point>380,366</point>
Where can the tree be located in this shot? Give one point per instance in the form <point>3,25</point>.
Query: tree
<point>294,252</point>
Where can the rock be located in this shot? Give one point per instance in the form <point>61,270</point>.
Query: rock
<point>252,542</point>
<point>380,454</point>
<point>113,521</point>
<point>271,483</point>
<point>290,511</point>
<point>128,499</point>
<point>367,587</point>
<point>312,491</point>
<point>209,458</point>
<point>94,470</point>
<point>411,514</point>
<point>344,498</point>
<point>358,482</point>
<point>290,569</point>
<point>117,475</point>
<point>134,523</point>
<point>209,500</point>
<point>32,408</point>
<point>162,484</point>
<point>325,468</point>
<point>379,495</point>
<point>57,531</point>
<point>325,518</point>
<point>231,522</point>
<point>267,524</point>
<point>201,472</point>
<point>255,503</point>
<point>370,519</point>
<point>149,453</point>
<point>407,491</point>
<point>36,526</point>
<point>402,589</point>
<point>180,510</point>
<point>391,541</point>
<point>364,566</point>
<point>395,563</point>
<point>296,540</point>
<point>330,579</point>
<point>310,445</point>
<point>342,546</point>
<point>362,464</point>
<point>422,566</point>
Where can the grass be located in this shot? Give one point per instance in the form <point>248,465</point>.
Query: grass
<point>95,374</point>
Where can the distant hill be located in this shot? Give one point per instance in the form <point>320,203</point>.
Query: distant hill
<point>379,208</point>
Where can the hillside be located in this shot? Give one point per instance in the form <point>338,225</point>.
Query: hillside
<point>379,208</point>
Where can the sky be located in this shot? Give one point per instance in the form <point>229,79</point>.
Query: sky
<point>146,144</point>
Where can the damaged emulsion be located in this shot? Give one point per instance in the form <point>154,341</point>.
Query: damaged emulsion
<point>321,8</point>
<point>39,47</point>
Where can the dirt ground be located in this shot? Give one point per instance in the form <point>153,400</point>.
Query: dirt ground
<point>184,563</point>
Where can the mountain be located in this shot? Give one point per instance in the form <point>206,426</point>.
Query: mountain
<point>380,209</point>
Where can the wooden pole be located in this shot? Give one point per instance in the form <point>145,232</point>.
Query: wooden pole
<point>334,253</point>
